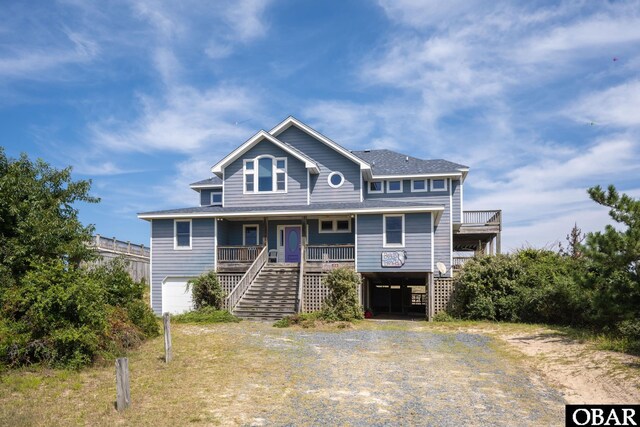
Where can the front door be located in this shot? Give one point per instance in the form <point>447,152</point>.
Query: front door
<point>292,238</point>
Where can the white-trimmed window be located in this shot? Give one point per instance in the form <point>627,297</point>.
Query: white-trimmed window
<point>250,234</point>
<point>419,185</point>
<point>335,179</point>
<point>216,198</point>
<point>182,234</point>
<point>439,184</point>
<point>334,225</point>
<point>393,231</point>
<point>394,186</point>
<point>376,187</point>
<point>265,174</point>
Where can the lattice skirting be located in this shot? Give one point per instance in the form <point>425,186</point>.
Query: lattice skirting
<point>314,292</point>
<point>228,281</point>
<point>443,290</point>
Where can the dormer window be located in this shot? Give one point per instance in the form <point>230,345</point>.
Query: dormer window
<point>438,185</point>
<point>375,187</point>
<point>216,198</point>
<point>265,174</point>
<point>394,186</point>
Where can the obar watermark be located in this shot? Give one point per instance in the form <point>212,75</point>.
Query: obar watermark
<point>602,415</point>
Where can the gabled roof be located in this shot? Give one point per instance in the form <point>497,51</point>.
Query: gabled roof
<point>213,182</point>
<point>309,163</point>
<point>387,163</point>
<point>292,121</point>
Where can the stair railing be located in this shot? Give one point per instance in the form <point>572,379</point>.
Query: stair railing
<point>238,291</point>
<point>301,276</point>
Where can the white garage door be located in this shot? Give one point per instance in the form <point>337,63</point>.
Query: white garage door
<point>175,297</point>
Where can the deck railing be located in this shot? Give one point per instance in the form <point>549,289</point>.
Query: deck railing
<point>238,253</point>
<point>238,291</point>
<point>119,246</point>
<point>482,217</point>
<point>330,253</point>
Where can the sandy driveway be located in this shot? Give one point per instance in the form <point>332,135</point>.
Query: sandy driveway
<point>398,377</point>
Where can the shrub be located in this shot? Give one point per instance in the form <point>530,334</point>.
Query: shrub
<point>207,291</point>
<point>118,285</point>
<point>530,286</point>
<point>342,302</point>
<point>443,316</point>
<point>141,315</point>
<point>205,315</point>
<point>305,320</point>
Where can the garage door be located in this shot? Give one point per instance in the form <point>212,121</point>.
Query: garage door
<point>175,297</point>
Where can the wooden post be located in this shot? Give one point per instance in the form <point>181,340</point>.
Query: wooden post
<point>123,396</point>
<point>167,337</point>
<point>498,248</point>
<point>430,297</point>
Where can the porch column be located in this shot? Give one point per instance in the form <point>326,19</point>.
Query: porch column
<point>265,240</point>
<point>498,243</point>
<point>491,246</point>
<point>304,238</point>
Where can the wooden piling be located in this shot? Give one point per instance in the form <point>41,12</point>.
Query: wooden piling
<point>167,337</point>
<point>123,395</point>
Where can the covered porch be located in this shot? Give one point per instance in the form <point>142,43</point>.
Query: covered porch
<point>478,234</point>
<point>318,242</point>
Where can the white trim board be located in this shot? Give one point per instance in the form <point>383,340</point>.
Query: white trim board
<point>292,213</point>
<point>262,135</point>
<point>290,121</point>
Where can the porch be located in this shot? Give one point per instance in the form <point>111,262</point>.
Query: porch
<point>319,243</point>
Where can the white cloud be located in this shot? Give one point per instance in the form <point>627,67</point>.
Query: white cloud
<point>617,106</point>
<point>185,121</point>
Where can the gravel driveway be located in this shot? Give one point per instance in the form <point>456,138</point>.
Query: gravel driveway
<point>395,376</point>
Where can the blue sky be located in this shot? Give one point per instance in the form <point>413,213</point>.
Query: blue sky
<point>540,99</point>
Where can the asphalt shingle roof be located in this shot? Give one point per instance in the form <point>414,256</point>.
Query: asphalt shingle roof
<point>329,207</point>
<point>387,162</point>
<point>214,180</point>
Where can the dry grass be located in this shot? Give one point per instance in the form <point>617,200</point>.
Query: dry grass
<point>241,374</point>
<point>209,382</point>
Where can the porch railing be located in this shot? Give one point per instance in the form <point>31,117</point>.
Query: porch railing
<point>329,253</point>
<point>244,283</point>
<point>458,261</point>
<point>482,217</point>
<point>238,253</point>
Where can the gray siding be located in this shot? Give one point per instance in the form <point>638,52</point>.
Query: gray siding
<point>230,232</point>
<point>168,262</point>
<point>328,161</point>
<point>205,196</point>
<point>417,243</point>
<point>443,232</point>
<point>456,209</point>
<point>296,180</point>
<point>317,238</point>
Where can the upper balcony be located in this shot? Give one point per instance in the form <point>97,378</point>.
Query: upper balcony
<point>478,232</point>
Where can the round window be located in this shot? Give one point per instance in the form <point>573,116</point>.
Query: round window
<point>336,179</point>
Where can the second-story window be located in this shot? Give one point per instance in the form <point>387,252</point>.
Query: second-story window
<point>438,185</point>
<point>265,174</point>
<point>394,186</point>
<point>216,199</point>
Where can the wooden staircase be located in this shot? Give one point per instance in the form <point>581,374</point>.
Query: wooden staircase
<point>272,295</point>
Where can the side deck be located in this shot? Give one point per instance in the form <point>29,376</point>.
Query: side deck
<point>479,233</point>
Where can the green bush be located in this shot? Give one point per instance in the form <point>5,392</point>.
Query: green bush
<point>207,291</point>
<point>342,302</point>
<point>305,320</point>
<point>443,316</point>
<point>115,280</point>
<point>141,315</point>
<point>536,286</point>
<point>205,315</point>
